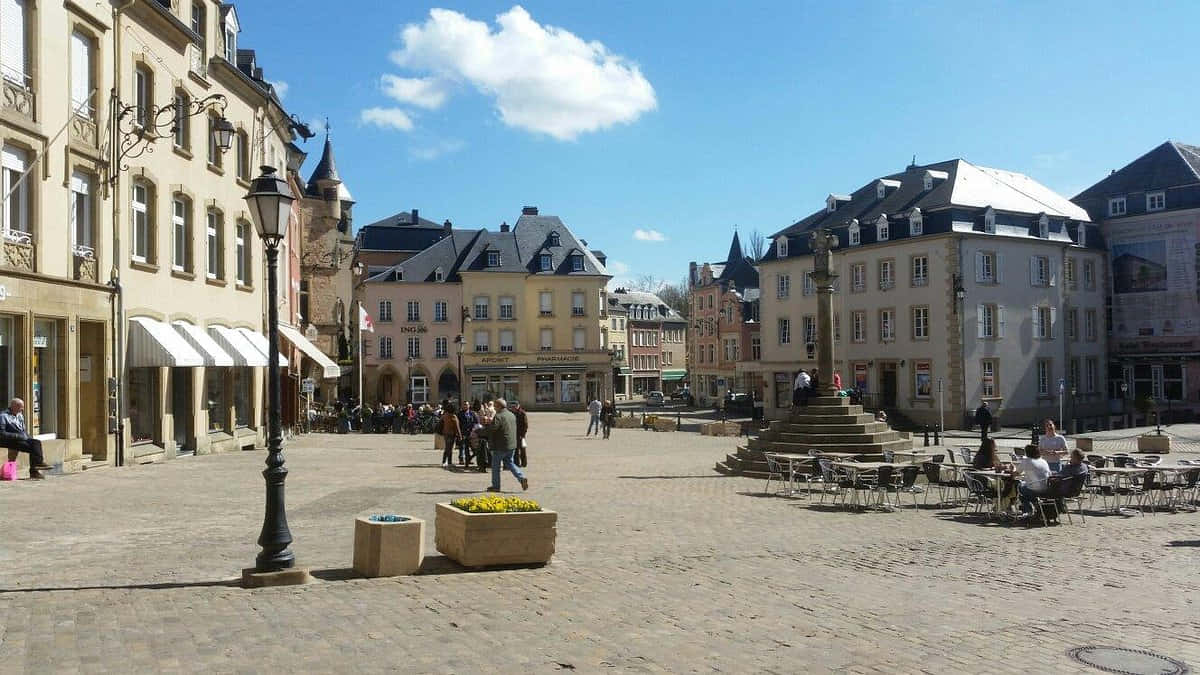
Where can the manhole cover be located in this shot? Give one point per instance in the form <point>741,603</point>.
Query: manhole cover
<point>1128,661</point>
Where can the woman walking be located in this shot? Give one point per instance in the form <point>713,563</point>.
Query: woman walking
<point>451,432</point>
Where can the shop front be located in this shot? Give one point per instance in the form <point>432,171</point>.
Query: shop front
<point>564,382</point>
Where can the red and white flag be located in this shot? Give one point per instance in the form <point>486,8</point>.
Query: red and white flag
<point>364,320</point>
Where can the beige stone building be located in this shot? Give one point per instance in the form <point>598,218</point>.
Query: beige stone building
<point>132,277</point>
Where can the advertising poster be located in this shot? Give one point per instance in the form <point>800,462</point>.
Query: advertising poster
<point>860,377</point>
<point>924,379</point>
<point>1155,282</point>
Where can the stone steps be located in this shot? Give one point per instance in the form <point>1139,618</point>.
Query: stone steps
<point>796,422</point>
<point>865,428</point>
<point>840,438</point>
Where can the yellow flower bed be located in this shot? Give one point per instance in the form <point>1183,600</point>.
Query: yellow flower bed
<point>495,504</point>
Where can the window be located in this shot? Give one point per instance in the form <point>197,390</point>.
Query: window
<point>414,310</point>
<point>242,147</point>
<point>214,153</point>
<point>1089,325</point>
<point>887,327</point>
<point>182,121</point>
<point>571,391</point>
<point>241,230</point>
<point>810,329</point>
<point>920,323</point>
<point>782,246</point>
<point>916,223</point>
<point>440,350</point>
<point>1044,319</point>
<point>855,234</point>
<point>547,339</point>
<point>1116,206</point>
<point>385,311</point>
<point>577,304</point>
<point>140,244</point>
<point>1043,377</point>
<point>990,321</point>
<point>385,347</point>
<point>507,340</point>
<point>858,322</point>
<point>439,312</point>
<point>304,299</point>
<point>143,91</point>
<point>545,303</point>
<point>576,263</point>
<point>989,221</point>
<point>545,262</point>
<point>506,307</point>
<point>481,341</point>
<point>1089,384</point>
<point>783,285</point>
<point>481,307</point>
<point>82,234</point>
<point>809,289</point>
<point>755,347</point>
<point>553,239</point>
<point>1073,324</point>
<point>198,21</point>
<point>1156,201</point>
<point>543,388</point>
<point>13,59</point>
<point>987,369</point>
<point>988,266</point>
<point>886,278</point>
<point>858,277</point>
<point>1069,272</point>
<point>493,258</point>
<point>1039,271</point>
<point>439,274</point>
<point>418,388</point>
<point>881,228</point>
<point>16,216</point>
<point>414,347</point>
<point>712,354</point>
<point>785,332</point>
<point>920,270</point>
<point>837,326</point>
<point>1043,227</point>
<point>215,399</point>
<point>213,230</point>
<point>1089,275</point>
<point>81,75</point>
<point>1073,381</point>
<point>230,40</point>
<point>579,339</point>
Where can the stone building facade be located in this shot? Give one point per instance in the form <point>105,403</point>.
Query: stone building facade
<point>723,314</point>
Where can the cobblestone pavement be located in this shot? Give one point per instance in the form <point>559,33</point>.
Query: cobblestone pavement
<point>662,566</point>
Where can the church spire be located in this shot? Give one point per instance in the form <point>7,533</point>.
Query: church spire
<point>735,249</point>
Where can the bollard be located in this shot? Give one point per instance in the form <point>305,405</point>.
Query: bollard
<point>937,434</point>
<point>678,421</point>
<point>1033,435</point>
<point>927,435</point>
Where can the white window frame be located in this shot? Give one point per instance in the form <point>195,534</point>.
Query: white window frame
<point>1156,201</point>
<point>755,348</point>
<point>916,224</point>
<point>887,325</point>
<point>14,57</point>
<point>858,326</point>
<point>920,270</point>
<point>1089,325</point>
<point>887,274</point>
<point>579,338</point>
<point>1089,275</point>
<point>480,306</point>
<point>14,162</point>
<point>493,258</point>
<point>1090,371</point>
<point>385,347</point>
<point>545,303</point>
<point>578,303</point>
<point>989,221</point>
<point>882,229</point>
<point>441,313</point>
<point>82,214</point>
<point>855,234</point>
<point>920,322</point>
<point>546,339</point>
<point>140,218</point>
<point>1043,227</point>
<point>1117,206</point>
<point>987,367</point>
<point>577,263</point>
<point>810,329</point>
<point>783,285</point>
<point>180,241</point>
<point>143,85</point>
<point>441,347</point>
<point>545,262</point>
<point>858,277</point>
<point>413,347</point>
<point>412,310</point>
<point>241,266</point>
<point>508,340</point>
<point>809,286</point>
<point>385,311</point>
<point>1043,377</point>
<point>507,308</point>
<point>784,328</point>
<point>213,245</point>
<point>482,341</point>
<point>781,246</point>
<point>82,52</point>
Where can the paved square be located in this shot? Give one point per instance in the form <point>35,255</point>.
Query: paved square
<point>662,566</point>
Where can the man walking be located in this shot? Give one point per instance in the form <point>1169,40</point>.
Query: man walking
<point>467,419</point>
<point>502,433</point>
<point>983,417</point>
<point>14,437</point>
<point>522,458</point>
<point>594,408</point>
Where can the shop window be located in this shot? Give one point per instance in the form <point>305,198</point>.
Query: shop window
<point>142,390</point>
<point>478,387</point>
<point>543,388</point>
<point>214,398</point>
<point>511,389</point>
<point>10,330</point>
<point>241,397</point>
<point>571,392</point>
<point>46,414</point>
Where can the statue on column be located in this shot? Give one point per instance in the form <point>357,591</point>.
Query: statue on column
<point>823,242</point>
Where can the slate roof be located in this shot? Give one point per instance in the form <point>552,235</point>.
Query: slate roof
<point>448,253</point>
<point>521,246</point>
<point>327,170</point>
<point>1166,166</point>
<point>405,231</point>
<point>627,299</point>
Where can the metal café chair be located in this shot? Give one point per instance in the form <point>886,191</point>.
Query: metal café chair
<point>775,471</point>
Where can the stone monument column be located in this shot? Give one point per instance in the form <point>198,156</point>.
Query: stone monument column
<point>822,243</point>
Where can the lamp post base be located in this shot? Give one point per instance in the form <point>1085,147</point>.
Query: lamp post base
<point>294,576</point>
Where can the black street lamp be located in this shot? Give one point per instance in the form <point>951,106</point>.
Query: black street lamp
<point>270,200</point>
<point>460,343</point>
<point>408,361</point>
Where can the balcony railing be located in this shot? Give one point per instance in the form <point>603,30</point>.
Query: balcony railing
<point>85,263</point>
<point>18,95</point>
<point>83,129</point>
<point>18,250</point>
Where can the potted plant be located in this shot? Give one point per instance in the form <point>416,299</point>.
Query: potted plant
<point>495,530</point>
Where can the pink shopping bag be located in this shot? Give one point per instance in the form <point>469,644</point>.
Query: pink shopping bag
<point>8,471</point>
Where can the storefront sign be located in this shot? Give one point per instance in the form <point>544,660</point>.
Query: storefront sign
<point>422,328</point>
<point>308,385</point>
<point>40,342</point>
<point>495,359</point>
<point>557,358</point>
<point>924,379</point>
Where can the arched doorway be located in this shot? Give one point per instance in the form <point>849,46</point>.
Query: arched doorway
<point>386,389</point>
<point>447,385</point>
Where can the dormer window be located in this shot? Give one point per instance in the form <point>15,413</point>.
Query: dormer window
<point>439,274</point>
<point>880,190</point>
<point>398,274</point>
<point>989,221</point>
<point>230,29</point>
<point>1156,201</point>
<point>544,262</point>
<point>855,233</point>
<point>1043,226</point>
<point>781,246</point>
<point>1116,206</point>
<point>881,228</point>
<point>493,258</point>
<point>927,182</point>
<point>554,239</point>
<point>576,263</point>
<point>916,223</point>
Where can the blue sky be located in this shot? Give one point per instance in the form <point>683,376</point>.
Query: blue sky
<point>687,119</point>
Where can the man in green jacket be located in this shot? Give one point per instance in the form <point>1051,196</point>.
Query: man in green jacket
<point>502,433</point>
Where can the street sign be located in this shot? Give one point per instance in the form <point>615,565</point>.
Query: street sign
<point>307,386</point>
<point>1062,385</point>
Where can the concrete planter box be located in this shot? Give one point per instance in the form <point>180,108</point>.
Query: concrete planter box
<point>388,549</point>
<point>628,422</point>
<point>1153,443</point>
<point>721,429</point>
<point>485,539</point>
<point>664,424</point>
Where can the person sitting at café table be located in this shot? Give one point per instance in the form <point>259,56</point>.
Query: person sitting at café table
<point>986,458</point>
<point>1034,475</point>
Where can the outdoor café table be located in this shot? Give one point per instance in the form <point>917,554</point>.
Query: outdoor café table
<point>839,455</point>
<point>795,460</point>
<point>855,468</point>
<point>1119,475</point>
<point>915,456</point>
<point>998,477</point>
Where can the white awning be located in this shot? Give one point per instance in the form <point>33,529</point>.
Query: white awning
<point>155,343</point>
<point>329,369</point>
<point>261,343</point>
<point>202,343</point>
<point>236,344</point>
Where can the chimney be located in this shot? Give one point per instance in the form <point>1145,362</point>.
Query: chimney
<point>584,242</point>
<point>415,218</point>
<point>529,211</point>
<point>447,227</point>
<point>504,226</point>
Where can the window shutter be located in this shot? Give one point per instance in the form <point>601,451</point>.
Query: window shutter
<point>1053,322</point>
<point>1000,321</point>
<point>12,40</point>
<point>978,266</point>
<point>979,309</point>
<point>1052,263</point>
<point>1033,270</point>
<point>999,268</point>
<point>1037,321</point>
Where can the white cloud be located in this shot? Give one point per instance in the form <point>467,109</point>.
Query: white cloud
<point>617,268</point>
<point>318,125</point>
<point>393,118</point>
<point>436,150</point>
<point>648,235</point>
<point>542,78</point>
<point>620,274</point>
<point>281,87</point>
<point>424,92</point>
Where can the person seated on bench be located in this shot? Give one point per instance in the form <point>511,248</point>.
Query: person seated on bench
<point>14,437</point>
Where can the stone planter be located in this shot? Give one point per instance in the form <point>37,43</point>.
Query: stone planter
<point>485,539</point>
<point>1153,443</point>
<point>388,549</point>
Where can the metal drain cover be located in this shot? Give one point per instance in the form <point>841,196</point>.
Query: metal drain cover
<point>1127,661</point>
